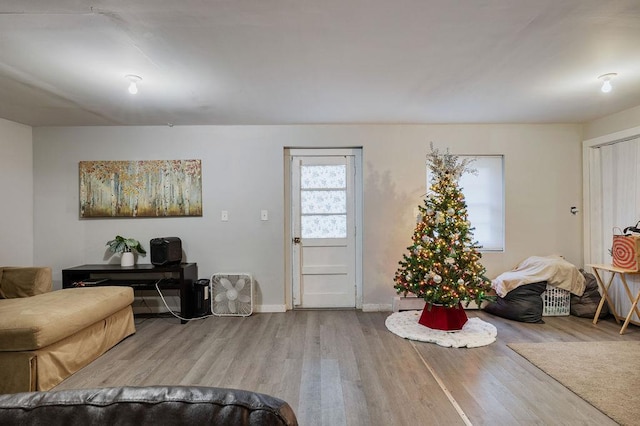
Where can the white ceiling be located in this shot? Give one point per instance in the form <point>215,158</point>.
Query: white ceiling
<point>63,62</point>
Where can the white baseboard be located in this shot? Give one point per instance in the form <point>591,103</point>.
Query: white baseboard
<point>409,303</point>
<point>152,304</point>
<point>370,307</point>
<point>472,305</point>
<point>269,308</point>
<point>376,307</point>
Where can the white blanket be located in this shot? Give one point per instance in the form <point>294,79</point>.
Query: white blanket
<point>553,269</point>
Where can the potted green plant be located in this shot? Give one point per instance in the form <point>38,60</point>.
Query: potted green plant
<point>126,247</point>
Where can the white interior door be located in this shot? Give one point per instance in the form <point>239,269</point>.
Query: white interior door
<point>323,230</point>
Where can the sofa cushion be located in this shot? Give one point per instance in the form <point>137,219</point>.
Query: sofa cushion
<point>35,322</point>
<point>24,281</point>
<point>151,405</point>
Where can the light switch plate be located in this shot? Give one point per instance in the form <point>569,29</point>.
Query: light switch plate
<point>264,215</point>
<point>224,216</point>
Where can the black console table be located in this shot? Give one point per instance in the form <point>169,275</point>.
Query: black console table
<point>139,277</point>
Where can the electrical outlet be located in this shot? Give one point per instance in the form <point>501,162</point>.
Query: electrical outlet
<point>224,216</point>
<point>264,215</point>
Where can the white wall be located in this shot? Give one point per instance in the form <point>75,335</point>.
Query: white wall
<point>16,187</point>
<point>612,123</point>
<point>243,172</point>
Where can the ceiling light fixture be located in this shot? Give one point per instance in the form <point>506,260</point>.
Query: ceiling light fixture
<point>606,81</point>
<point>133,83</point>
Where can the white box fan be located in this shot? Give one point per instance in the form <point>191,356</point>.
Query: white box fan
<point>232,294</point>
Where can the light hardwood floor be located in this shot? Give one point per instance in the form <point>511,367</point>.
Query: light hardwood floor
<point>346,368</point>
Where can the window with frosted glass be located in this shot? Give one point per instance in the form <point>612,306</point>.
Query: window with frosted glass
<point>323,201</point>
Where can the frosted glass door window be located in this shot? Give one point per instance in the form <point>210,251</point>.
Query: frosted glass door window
<point>325,177</point>
<point>315,201</point>
<point>323,201</point>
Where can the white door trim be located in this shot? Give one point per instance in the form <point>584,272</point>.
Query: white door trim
<point>358,214</point>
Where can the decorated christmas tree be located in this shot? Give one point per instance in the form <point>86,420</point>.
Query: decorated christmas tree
<point>442,265</point>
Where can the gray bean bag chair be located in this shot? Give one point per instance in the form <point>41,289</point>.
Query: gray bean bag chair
<point>522,304</point>
<point>585,306</point>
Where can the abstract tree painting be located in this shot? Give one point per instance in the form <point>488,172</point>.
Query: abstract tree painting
<point>156,188</point>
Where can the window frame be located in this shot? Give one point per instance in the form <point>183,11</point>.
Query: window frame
<point>497,243</point>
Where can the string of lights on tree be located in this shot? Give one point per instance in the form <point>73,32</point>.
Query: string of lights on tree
<point>442,265</point>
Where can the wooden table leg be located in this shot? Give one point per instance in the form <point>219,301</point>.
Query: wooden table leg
<point>634,304</point>
<point>634,307</point>
<point>605,297</point>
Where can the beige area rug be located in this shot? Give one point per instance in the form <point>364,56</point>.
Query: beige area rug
<point>605,374</point>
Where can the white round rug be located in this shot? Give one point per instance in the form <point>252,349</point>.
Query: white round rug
<point>474,333</point>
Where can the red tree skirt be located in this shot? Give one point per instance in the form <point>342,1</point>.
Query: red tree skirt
<point>441,318</point>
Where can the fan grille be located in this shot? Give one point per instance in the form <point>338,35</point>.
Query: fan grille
<point>232,294</point>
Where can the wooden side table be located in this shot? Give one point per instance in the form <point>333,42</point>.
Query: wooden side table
<point>613,270</point>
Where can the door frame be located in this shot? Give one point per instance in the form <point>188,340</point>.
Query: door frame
<point>289,152</point>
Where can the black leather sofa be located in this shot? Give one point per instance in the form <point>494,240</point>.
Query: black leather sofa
<point>152,405</point>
